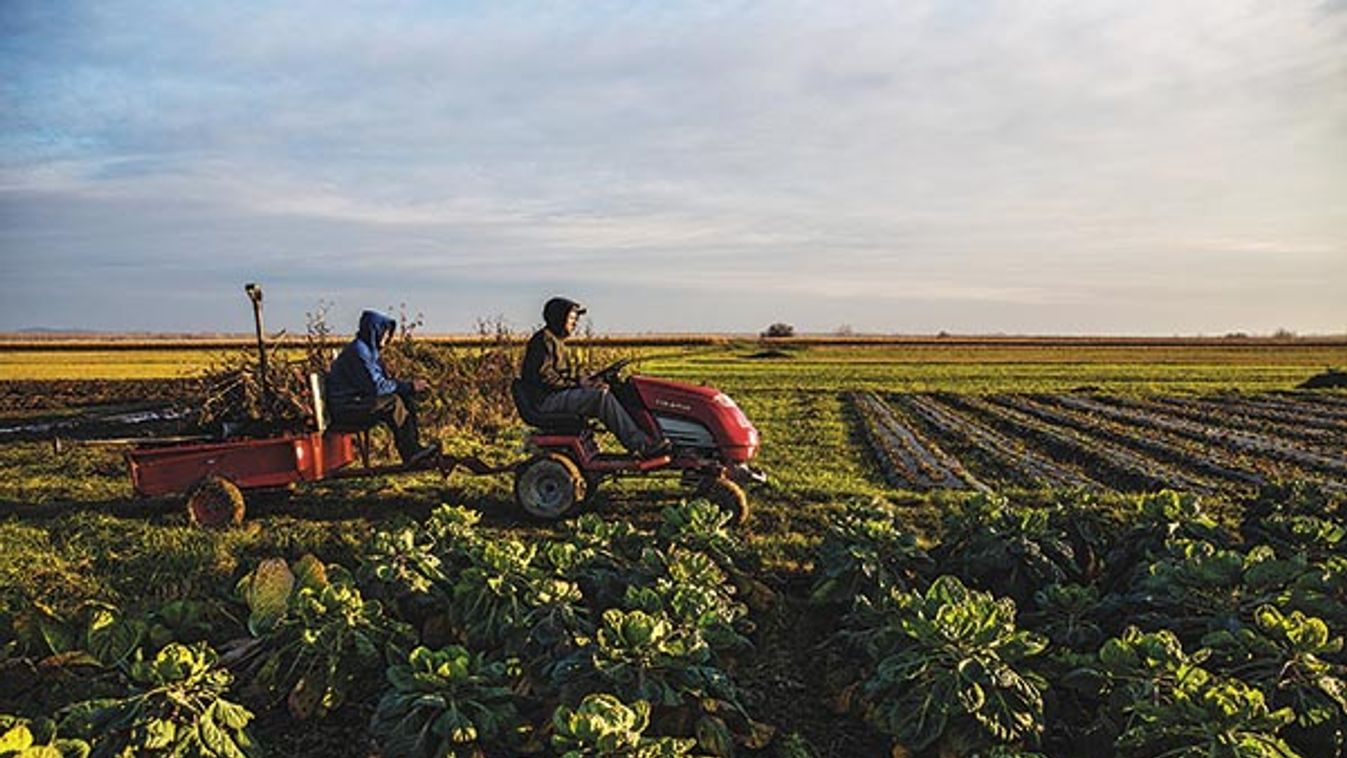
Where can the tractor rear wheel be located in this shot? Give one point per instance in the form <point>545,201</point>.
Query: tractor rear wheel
<point>727,496</point>
<point>215,502</point>
<point>549,486</point>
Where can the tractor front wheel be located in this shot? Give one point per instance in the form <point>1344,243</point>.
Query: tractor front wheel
<point>549,486</point>
<point>727,496</point>
<point>215,502</point>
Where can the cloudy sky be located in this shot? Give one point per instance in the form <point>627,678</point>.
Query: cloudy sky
<point>1045,166</point>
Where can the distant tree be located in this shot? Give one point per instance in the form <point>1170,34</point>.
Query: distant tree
<point>1284,334</point>
<point>844,330</point>
<point>779,329</point>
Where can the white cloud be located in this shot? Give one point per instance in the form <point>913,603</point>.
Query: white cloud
<point>1029,154</point>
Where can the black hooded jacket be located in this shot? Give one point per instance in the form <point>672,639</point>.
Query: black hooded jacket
<point>547,368</point>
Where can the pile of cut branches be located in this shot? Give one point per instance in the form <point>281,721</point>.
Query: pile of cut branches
<point>233,397</point>
<point>238,397</point>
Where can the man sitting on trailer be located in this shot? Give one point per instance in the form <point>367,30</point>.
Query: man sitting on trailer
<point>360,393</point>
<point>552,383</point>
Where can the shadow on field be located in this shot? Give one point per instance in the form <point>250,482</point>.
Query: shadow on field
<point>373,500</point>
<point>309,505</point>
<point>155,509</point>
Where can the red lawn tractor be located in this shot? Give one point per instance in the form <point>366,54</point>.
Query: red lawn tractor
<point>713,443</point>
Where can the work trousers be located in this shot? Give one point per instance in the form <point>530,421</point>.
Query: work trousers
<point>600,404</point>
<point>393,411</point>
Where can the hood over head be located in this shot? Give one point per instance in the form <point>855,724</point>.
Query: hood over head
<point>373,326</point>
<point>555,312</point>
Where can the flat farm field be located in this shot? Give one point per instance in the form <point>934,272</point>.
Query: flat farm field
<point>1098,512</point>
<point>954,365</point>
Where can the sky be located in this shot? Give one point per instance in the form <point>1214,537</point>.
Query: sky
<point>1047,167</point>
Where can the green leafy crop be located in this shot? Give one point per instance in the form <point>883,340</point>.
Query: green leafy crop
<point>1199,587</point>
<point>1296,517</point>
<point>603,726</point>
<point>696,594</point>
<point>1170,705</point>
<point>20,738</point>
<point>495,600</point>
<point>957,671</point>
<point>1291,657</point>
<point>447,702</point>
<point>317,637</point>
<point>177,709</point>
<point>865,555</point>
<point>1156,519</point>
<point>701,525</point>
<point>1006,549</point>
<point>645,656</point>
<point>1067,614</point>
<point>97,634</point>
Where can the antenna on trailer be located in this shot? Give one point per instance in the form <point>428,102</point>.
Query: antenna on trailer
<point>254,291</point>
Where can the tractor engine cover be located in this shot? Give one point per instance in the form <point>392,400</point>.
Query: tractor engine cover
<point>706,407</point>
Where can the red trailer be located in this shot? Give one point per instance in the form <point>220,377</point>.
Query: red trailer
<point>215,474</point>
<point>248,463</point>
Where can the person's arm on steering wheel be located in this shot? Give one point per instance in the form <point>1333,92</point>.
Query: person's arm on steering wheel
<point>606,375</point>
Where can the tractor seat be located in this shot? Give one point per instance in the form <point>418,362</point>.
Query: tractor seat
<point>322,420</point>
<point>350,428</point>
<point>557,423</point>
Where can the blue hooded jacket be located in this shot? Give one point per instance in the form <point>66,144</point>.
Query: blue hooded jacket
<point>358,374</point>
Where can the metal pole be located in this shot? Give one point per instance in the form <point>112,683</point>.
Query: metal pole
<point>255,294</point>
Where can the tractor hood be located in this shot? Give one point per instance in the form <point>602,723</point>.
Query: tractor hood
<point>708,406</point>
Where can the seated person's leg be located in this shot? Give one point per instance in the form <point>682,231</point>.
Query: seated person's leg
<point>620,423</point>
<point>400,418</point>
<point>603,405</point>
<point>577,402</point>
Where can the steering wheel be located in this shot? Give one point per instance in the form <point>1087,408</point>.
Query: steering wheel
<point>609,373</point>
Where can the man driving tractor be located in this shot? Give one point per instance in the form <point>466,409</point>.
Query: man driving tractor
<point>552,383</point>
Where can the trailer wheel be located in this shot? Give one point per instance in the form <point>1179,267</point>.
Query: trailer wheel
<point>214,502</point>
<point>727,496</point>
<point>549,486</point>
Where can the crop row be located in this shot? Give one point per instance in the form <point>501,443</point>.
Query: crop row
<point>1005,455</point>
<point>1171,453</point>
<point>1198,447</point>
<point>1092,441</point>
<point>1220,432</point>
<point>1272,418</point>
<point>1335,405</point>
<point>909,461</point>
